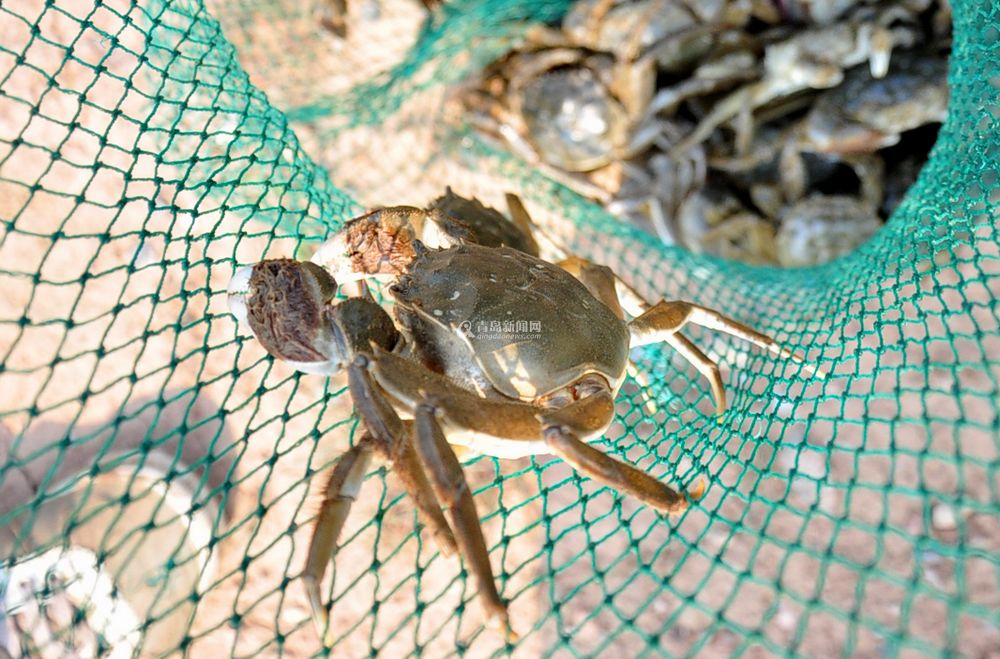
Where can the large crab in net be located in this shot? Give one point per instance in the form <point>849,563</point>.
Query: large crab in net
<point>493,348</point>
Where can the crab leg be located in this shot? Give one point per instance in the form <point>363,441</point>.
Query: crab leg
<point>446,480</point>
<point>393,435</point>
<point>648,402</point>
<point>519,215</point>
<point>453,491</point>
<point>387,436</point>
<point>708,369</point>
<point>671,316</point>
<point>664,320</point>
<point>602,467</point>
<point>559,435</point>
<point>341,489</point>
<point>513,422</point>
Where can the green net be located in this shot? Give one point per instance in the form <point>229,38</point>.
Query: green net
<point>158,474</point>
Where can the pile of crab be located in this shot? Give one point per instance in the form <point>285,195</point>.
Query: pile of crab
<point>767,131</point>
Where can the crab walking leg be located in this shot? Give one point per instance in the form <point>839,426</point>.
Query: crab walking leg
<point>676,314</point>
<point>673,315</point>
<point>453,491</point>
<point>392,435</point>
<point>510,428</point>
<point>586,459</point>
<point>520,217</point>
<point>512,423</point>
<point>340,492</point>
<point>601,467</point>
<point>633,303</point>
<point>708,369</point>
<point>648,402</point>
<point>664,320</point>
<point>342,489</point>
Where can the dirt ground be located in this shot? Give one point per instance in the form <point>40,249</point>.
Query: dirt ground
<point>835,541</point>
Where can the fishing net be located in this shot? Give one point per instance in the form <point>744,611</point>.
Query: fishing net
<point>159,473</point>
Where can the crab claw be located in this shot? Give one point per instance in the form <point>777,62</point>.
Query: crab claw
<point>335,256</point>
<point>284,304</point>
<point>239,286</point>
<point>379,244</point>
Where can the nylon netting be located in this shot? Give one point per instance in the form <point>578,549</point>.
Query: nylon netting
<point>158,474</point>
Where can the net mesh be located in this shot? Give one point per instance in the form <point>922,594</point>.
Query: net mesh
<point>158,473</point>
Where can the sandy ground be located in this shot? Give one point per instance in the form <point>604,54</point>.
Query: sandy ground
<point>815,536</point>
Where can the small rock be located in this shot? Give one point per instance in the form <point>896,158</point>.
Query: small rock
<point>943,517</point>
<point>786,618</point>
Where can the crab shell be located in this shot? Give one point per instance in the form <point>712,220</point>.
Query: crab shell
<point>469,220</point>
<point>567,103</point>
<point>448,299</point>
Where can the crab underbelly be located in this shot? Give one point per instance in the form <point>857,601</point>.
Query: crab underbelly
<point>505,448</point>
<point>497,447</point>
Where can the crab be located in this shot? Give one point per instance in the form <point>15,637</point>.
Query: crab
<point>865,113</point>
<point>439,374</point>
<point>821,228</point>
<point>814,59</point>
<point>676,33</point>
<point>582,97</point>
<point>715,221</point>
<point>584,118</point>
<point>654,186</point>
<point>781,166</point>
<point>846,127</point>
<point>569,107</point>
<point>579,98</point>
